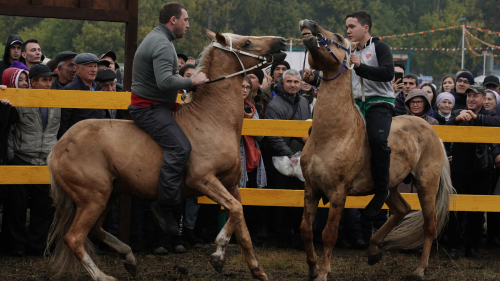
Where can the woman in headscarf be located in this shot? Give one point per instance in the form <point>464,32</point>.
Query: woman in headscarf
<point>444,102</point>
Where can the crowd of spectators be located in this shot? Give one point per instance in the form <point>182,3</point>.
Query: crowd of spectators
<point>27,135</point>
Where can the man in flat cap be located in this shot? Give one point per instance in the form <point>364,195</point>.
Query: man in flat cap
<point>31,139</point>
<point>86,71</point>
<point>470,173</point>
<point>66,69</point>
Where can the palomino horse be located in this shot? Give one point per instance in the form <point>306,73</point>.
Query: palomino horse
<point>336,163</point>
<point>97,160</point>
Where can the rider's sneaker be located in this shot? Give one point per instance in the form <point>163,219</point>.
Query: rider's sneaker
<point>165,218</point>
<point>374,207</point>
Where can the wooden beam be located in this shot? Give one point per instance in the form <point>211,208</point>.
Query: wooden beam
<point>130,42</point>
<point>64,13</point>
<point>295,198</point>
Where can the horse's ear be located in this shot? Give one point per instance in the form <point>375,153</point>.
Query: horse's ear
<point>210,35</point>
<point>220,38</point>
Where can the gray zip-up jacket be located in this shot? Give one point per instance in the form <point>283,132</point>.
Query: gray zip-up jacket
<point>376,69</point>
<point>154,74</point>
<point>28,140</point>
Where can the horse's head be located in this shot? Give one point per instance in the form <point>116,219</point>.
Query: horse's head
<point>319,56</point>
<point>251,50</point>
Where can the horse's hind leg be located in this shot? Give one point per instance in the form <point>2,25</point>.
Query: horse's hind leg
<point>244,240</point>
<point>123,249</point>
<point>86,216</point>
<point>330,233</point>
<point>427,200</point>
<point>311,200</point>
<point>399,208</point>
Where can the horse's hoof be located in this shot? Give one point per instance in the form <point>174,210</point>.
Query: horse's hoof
<point>374,259</point>
<point>313,273</point>
<point>258,273</point>
<point>131,269</point>
<point>218,262</point>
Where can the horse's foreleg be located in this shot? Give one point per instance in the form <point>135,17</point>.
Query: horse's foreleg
<point>331,231</point>
<point>399,208</point>
<point>123,249</point>
<point>76,237</point>
<point>427,201</point>
<point>218,193</point>
<point>243,237</point>
<point>311,200</point>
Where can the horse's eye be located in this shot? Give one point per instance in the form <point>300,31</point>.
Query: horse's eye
<point>248,43</point>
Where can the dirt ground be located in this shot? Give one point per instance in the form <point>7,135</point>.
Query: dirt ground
<point>279,264</point>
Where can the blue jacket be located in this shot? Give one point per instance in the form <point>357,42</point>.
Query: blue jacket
<point>71,116</point>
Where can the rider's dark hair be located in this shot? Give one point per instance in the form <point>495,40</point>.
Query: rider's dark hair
<point>363,18</point>
<point>169,10</point>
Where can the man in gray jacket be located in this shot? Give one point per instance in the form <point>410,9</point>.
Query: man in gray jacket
<point>287,105</point>
<point>155,84</point>
<point>30,142</point>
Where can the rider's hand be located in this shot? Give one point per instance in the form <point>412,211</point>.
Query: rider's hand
<point>397,86</point>
<point>308,76</point>
<point>3,87</point>
<point>198,79</point>
<point>6,102</point>
<point>356,60</point>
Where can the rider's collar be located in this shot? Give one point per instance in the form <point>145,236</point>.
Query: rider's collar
<point>368,43</point>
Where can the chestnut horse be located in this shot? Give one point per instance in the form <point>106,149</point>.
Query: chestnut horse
<point>97,160</point>
<point>336,163</point>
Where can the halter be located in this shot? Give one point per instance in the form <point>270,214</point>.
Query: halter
<point>235,51</point>
<point>344,63</point>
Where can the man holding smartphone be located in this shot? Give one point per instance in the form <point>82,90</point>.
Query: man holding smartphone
<point>373,93</point>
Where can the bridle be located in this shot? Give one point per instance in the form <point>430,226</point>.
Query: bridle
<point>345,64</point>
<point>236,52</point>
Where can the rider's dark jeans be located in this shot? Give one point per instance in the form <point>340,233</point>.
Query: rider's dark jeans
<point>158,122</point>
<point>378,125</point>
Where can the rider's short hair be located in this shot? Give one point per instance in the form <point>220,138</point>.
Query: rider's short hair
<point>363,17</point>
<point>290,72</point>
<point>169,10</point>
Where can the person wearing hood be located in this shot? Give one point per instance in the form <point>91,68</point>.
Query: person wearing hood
<point>418,103</point>
<point>287,105</point>
<point>463,82</point>
<point>12,52</point>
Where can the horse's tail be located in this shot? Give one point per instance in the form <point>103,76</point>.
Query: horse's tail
<point>62,259</point>
<point>410,232</point>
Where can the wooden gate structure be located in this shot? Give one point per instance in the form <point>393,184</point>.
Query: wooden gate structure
<point>125,11</point>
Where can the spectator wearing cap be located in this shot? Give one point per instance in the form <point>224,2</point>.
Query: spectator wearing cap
<point>463,82</point>
<point>66,69</point>
<point>182,59</point>
<point>31,139</point>
<point>31,53</point>
<point>12,52</point>
<point>445,102</point>
<point>109,56</point>
<point>470,173</point>
<point>86,71</point>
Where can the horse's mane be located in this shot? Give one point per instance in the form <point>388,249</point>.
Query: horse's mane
<point>203,58</point>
